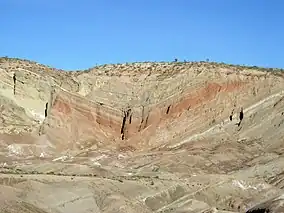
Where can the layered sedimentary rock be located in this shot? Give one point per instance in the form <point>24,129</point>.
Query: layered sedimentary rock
<point>153,111</point>
<point>145,105</point>
<point>147,137</point>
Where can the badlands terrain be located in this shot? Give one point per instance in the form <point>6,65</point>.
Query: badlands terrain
<point>141,138</point>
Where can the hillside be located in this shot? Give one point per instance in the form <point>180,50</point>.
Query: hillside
<point>141,137</point>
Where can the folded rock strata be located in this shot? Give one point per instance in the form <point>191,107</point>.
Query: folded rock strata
<point>164,122</point>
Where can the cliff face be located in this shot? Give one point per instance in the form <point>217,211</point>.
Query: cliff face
<point>164,120</point>
<point>138,106</point>
<point>156,109</point>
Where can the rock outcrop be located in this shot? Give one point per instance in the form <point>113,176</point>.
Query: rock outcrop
<point>179,118</point>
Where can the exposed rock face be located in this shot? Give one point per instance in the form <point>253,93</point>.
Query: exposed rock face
<point>166,125</point>
<point>140,112</point>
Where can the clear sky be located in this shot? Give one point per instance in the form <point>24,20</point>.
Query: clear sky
<point>78,34</point>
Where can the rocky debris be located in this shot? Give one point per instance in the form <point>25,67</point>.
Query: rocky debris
<point>275,204</point>
<point>141,137</point>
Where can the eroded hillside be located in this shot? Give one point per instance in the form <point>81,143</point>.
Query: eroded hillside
<point>141,137</point>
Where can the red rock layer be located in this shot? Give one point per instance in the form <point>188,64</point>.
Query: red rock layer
<point>74,119</point>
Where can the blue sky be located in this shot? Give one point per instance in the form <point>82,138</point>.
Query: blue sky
<point>73,34</point>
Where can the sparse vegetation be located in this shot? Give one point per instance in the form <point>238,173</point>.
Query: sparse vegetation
<point>16,63</point>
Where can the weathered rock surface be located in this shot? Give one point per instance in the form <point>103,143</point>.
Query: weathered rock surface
<point>141,137</point>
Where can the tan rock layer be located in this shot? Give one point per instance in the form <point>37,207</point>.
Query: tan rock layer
<point>74,119</point>
<point>155,109</point>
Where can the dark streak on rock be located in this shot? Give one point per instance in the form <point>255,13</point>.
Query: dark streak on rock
<point>123,126</point>
<point>14,79</point>
<point>168,109</point>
